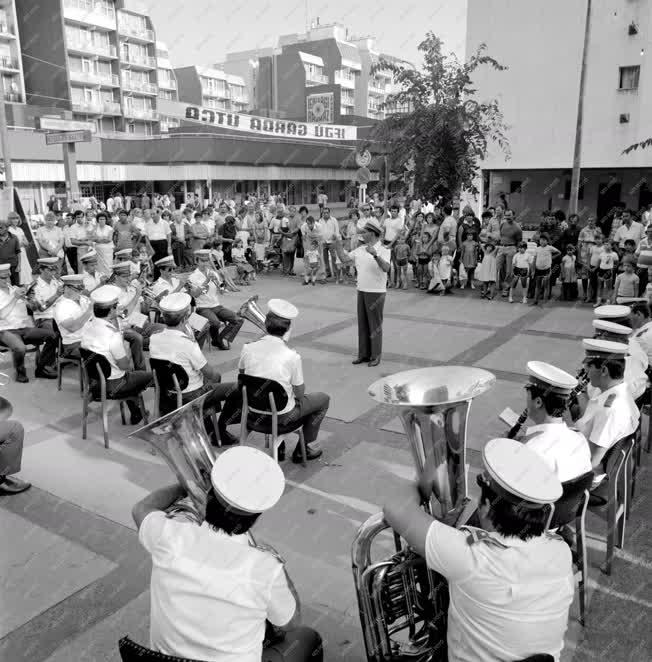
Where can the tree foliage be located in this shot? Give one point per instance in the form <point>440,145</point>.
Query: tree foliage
<point>445,131</point>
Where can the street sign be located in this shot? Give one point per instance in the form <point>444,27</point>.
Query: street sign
<point>67,137</point>
<point>56,124</point>
<point>363,175</point>
<point>363,159</point>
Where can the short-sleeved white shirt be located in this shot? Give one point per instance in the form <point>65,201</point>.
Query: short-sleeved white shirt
<point>67,309</point>
<point>270,357</point>
<point>609,416</point>
<point>211,592</point>
<point>371,278</point>
<point>564,450</point>
<point>508,597</point>
<point>176,346</point>
<point>392,227</point>
<point>91,281</point>
<point>101,336</point>
<point>157,231</point>
<point>211,298</point>
<point>17,316</point>
<point>42,292</point>
<point>643,337</point>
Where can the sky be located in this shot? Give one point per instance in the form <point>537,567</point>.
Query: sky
<point>203,31</point>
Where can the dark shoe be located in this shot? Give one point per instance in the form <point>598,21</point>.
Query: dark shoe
<point>597,501</point>
<point>46,373</point>
<point>306,282</point>
<point>10,485</point>
<point>22,378</point>
<point>228,439</point>
<point>280,453</point>
<point>136,417</point>
<point>358,361</point>
<point>221,344</point>
<point>311,454</point>
<point>374,362</point>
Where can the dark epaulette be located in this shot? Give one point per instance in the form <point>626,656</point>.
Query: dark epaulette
<point>610,400</point>
<point>476,536</point>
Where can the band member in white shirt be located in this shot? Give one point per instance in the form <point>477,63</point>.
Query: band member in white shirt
<point>72,312</point>
<point>167,282</point>
<point>101,335</point>
<point>213,587</point>
<point>176,343</point>
<point>270,357</point>
<point>204,286</point>
<point>17,330</point>
<point>47,290</point>
<point>642,324</point>
<point>92,277</point>
<point>565,451</point>
<point>372,264</point>
<point>511,583</point>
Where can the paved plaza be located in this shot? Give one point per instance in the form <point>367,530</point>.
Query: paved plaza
<point>75,580</point>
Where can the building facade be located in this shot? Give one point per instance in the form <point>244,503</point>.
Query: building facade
<point>11,66</point>
<point>212,88</point>
<point>98,60</point>
<point>167,85</point>
<point>539,94</point>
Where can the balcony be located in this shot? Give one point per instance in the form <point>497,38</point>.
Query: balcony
<point>139,86</point>
<point>215,93</point>
<point>144,61</point>
<point>137,33</point>
<point>239,97</point>
<point>140,113</point>
<point>13,97</point>
<point>347,100</point>
<point>167,83</point>
<point>345,80</point>
<point>8,63</point>
<point>375,87</point>
<point>166,125</point>
<point>316,79</point>
<point>97,107</point>
<point>88,46</point>
<point>89,12</point>
<point>95,78</point>
<point>7,32</point>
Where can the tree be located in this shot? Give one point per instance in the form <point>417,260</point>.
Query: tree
<point>444,132</point>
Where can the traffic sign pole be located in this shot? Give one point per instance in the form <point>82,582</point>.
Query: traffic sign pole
<point>70,169</point>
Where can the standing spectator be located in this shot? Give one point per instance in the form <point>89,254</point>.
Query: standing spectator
<point>642,268</point>
<point>489,228</point>
<point>626,285</point>
<point>54,204</point>
<point>542,265</point>
<point>228,234</point>
<point>260,233</point>
<point>10,252</point>
<point>449,224</point>
<point>289,232</point>
<point>80,240</point>
<point>570,234</point>
<point>311,234</point>
<point>628,229</point>
<point>49,238</point>
<point>180,230</point>
<point>469,256</point>
<point>220,217</point>
<point>70,250</point>
<point>118,203</point>
<point>606,268</point>
<point>330,232</point>
<point>124,232</point>
<point>25,269</point>
<point>199,234</point>
<point>585,240</point>
<point>159,235</point>
<point>511,236</point>
<point>568,275</point>
<point>487,271</point>
<point>646,216</point>
<point>322,201</point>
<point>145,201</point>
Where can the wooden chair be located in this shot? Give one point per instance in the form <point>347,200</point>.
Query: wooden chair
<point>96,364</point>
<point>130,651</point>
<point>267,397</point>
<point>571,509</point>
<point>169,381</point>
<point>63,360</point>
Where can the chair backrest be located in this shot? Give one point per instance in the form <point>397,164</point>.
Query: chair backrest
<point>94,366</point>
<point>165,371</point>
<point>258,391</point>
<point>613,456</point>
<point>571,499</point>
<point>130,651</point>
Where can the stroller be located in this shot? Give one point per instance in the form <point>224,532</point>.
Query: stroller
<point>272,257</point>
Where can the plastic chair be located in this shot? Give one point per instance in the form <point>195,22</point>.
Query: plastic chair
<point>92,363</point>
<point>571,508</point>
<point>63,360</point>
<point>267,397</point>
<point>130,651</point>
<point>169,381</point>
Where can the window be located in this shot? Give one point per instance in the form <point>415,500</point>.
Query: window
<point>166,94</point>
<point>515,186</point>
<point>628,78</point>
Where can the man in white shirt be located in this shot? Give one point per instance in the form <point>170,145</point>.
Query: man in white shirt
<point>101,336</point>
<point>322,201</point>
<point>47,289</point>
<point>511,583</point>
<point>17,330</point>
<point>213,588</point>
<point>204,287</point>
<point>271,358</point>
<point>159,234</point>
<point>330,232</point>
<point>448,224</point>
<point>630,229</point>
<point>72,312</point>
<point>92,278</point>
<point>565,451</point>
<point>392,226</point>
<point>372,264</point>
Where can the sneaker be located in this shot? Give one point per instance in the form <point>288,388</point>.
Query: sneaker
<point>472,286</point>
<point>511,300</point>
<point>524,299</point>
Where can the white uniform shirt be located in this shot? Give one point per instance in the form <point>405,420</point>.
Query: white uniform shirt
<point>157,231</point>
<point>17,316</point>
<point>161,285</point>
<point>635,366</point>
<point>270,357</point>
<point>101,336</point>
<point>508,597</point>
<point>609,416</point>
<point>564,450</point>
<point>392,227</point>
<point>67,309</point>
<point>42,292</point>
<point>371,278</point>
<point>211,298</point>
<point>211,592</point>
<point>644,338</point>
<point>175,345</point>
<point>91,281</point>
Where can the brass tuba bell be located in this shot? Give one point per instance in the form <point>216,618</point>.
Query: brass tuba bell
<point>403,605</point>
<point>180,437</point>
<point>250,310</point>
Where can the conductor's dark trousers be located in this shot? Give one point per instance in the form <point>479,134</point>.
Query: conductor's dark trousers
<point>370,324</point>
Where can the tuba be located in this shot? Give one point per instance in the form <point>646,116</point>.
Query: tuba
<point>403,605</point>
<point>250,310</point>
<point>180,437</point>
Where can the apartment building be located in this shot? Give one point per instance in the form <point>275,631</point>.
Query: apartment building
<point>99,61</point>
<point>11,67</point>
<point>541,43</point>
<point>245,65</point>
<point>167,85</point>
<point>212,88</point>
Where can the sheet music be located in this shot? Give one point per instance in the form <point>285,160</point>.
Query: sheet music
<point>508,416</point>
<point>197,322</point>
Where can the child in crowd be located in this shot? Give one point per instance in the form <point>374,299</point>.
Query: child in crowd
<point>250,256</point>
<point>312,257</point>
<point>240,261</point>
<point>594,264</point>
<point>423,258</point>
<point>435,285</point>
<point>521,269</point>
<point>630,250</point>
<point>542,267</point>
<point>487,272</point>
<point>401,255</point>
<point>217,253</point>
<point>469,258</point>
<point>626,285</point>
<point>446,271</point>
<point>569,275</point>
<point>608,262</point>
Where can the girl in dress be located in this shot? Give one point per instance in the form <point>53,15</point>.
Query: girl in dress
<point>240,261</point>
<point>102,235</point>
<point>25,271</point>
<point>568,275</point>
<point>487,272</point>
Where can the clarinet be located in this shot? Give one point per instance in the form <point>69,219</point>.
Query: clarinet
<point>516,428</point>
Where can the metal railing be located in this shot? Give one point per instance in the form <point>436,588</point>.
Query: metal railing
<point>145,60</point>
<point>141,113</point>
<point>319,79</point>
<point>377,87</point>
<point>97,107</point>
<point>138,86</point>
<point>13,97</point>
<point>88,46</point>
<point>167,83</point>
<point>133,31</point>
<point>347,100</point>
<point>7,62</point>
<point>90,7</point>
<point>347,80</point>
<point>208,91</point>
<point>95,77</point>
